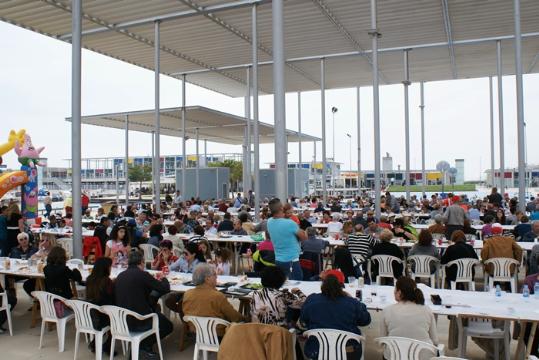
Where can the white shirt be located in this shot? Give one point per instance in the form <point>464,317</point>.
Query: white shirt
<point>407,319</point>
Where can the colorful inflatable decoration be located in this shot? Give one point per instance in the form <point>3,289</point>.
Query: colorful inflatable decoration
<point>28,156</point>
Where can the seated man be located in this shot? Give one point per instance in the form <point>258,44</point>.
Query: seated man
<point>133,290</point>
<point>499,246</point>
<point>531,234</point>
<point>359,243</point>
<point>214,303</point>
<point>313,243</point>
<point>438,227</point>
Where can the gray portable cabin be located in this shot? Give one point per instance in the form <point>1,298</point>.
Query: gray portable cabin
<point>298,183</point>
<point>214,182</point>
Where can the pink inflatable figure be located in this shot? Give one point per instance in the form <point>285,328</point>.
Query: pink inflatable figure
<point>27,153</point>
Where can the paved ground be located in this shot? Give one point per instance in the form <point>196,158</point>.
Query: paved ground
<point>24,344</point>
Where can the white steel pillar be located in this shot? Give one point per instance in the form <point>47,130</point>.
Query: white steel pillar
<point>358,98</point>
<point>281,150</point>
<point>184,151</point>
<point>422,107</point>
<point>197,171</point>
<point>406,84</point>
<point>248,185</point>
<point>376,106</point>
<point>520,110</point>
<point>126,161</point>
<point>323,115</point>
<point>491,98</point>
<point>500,114</point>
<point>299,128</point>
<point>255,110</point>
<point>157,155</point>
<point>76,29</point>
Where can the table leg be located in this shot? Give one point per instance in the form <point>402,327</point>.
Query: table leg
<point>520,352</point>
<point>530,339</point>
<point>35,307</point>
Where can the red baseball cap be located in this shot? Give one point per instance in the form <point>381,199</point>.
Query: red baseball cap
<point>338,274</point>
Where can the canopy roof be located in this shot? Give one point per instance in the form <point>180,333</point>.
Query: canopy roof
<point>213,125</point>
<point>450,38</point>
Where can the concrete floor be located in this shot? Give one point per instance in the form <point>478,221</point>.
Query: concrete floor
<point>24,344</point>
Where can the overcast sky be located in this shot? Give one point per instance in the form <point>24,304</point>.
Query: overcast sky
<point>35,75</point>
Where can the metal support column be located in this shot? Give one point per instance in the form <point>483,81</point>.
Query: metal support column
<point>126,161</point>
<point>299,129</point>
<point>314,169</point>
<point>184,151</point>
<point>205,163</point>
<point>255,110</point>
<point>323,115</point>
<point>376,107</point>
<point>491,99</point>
<point>281,150</point>
<point>500,114</point>
<point>248,117</point>
<point>157,156</point>
<point>197,171</point>
<point>520,111</point>
<point>76,29</point>
<point>406,84</point>
<point>422,107</point>
<point>358,98</point>
<point>245,172</point>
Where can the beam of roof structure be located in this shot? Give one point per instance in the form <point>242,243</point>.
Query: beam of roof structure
<point>329,14</point>
<point>169,16</point>
<point>215,57</point>
<point>212,125</point>
<point>449,33</point>
<point>234,30</point>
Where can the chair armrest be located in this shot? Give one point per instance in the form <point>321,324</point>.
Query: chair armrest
<point>441,349</point>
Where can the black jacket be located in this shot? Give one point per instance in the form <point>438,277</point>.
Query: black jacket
<point>57,279</point>
<point>133,287</point>
<point>101,232</point>
<point>387,248</point>
<point>456,251</point>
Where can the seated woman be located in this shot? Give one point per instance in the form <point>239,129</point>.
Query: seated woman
<point>400,231</point>
<point>409,317</point>
<point>57,275</point>
<point>199,234</point>
<point>191,257</point>
<point>386,247</point>
<point>487,228</point>
<point>270,305</point>
<point>165,257</point>
<point>424,245</point>
<point>118,246</point>
<point>156,234</point>
<point>174,237</point>
<point>334,309</point>
<point>458,250</point>
<point>100,291</point>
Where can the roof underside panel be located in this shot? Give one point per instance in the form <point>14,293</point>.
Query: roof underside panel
<point>312,28</point>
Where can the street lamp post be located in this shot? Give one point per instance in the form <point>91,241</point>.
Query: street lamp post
<point>333,111</point>
<point>350,157</point>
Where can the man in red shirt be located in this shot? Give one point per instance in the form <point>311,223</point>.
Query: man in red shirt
<point>85,201</point>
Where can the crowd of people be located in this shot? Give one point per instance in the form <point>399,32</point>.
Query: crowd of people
<point>292,248</point>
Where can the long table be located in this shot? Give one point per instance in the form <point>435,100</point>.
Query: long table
<point>510,307</point>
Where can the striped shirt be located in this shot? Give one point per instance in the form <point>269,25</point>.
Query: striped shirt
<point>361,244</point>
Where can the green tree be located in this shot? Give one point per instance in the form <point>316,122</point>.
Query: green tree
<point>236,170</point>
<point>139,173</point>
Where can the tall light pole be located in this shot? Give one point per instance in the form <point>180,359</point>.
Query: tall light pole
<point>333,111</point>
<point>350,157</point>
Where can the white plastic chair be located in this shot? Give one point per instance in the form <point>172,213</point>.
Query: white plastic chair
<point>447,358</point>
<point>385,266</point>
<point>332,343</point>
<point>206,334</point>
<point>5,307</point>
<point>148,250</point>
<point>421,267</point>
<point>84,324</point>
<point>502,272</point>
<point>48,314</point>
<point>120,331</point>
<point>81,289</point>
<point>482,328</point>
<point>66,244</point>
<point>400,348</point>
<point>464,272</point>
<point>177,251</point>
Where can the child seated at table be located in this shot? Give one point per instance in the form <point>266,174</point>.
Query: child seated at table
<point>222,261</point>
<point>165,256</point>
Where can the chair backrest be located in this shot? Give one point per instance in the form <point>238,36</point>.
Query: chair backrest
<point>177,251</point>
<point>118,320</point>
<point>66,244</point>
<point>332,343</point>
<point>502,267</point>
<point>464,268</point>
<point>75,262</point>
<point>83,316</point>
<point>438,236</point>
<point>422,264</point>
<point>46,304</point>
<point>148,250</point>
<point>385,263</point>
<point>397,348</point>
<point>447,358</point>
<point>206,329</point>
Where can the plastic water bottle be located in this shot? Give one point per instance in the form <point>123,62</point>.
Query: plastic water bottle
<point>536,290</point>
<point>498,293</point>
<point>525,291</point>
